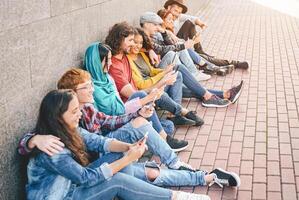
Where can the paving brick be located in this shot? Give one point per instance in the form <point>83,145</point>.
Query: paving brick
<point>259,175</point>
<point>248,154</point>
<point>234,160</point>
<point>274,183</point>
<point>273,168</point>
<point>286,161</point>
<point>246,182</point>
<point>222,153</point>
<point>274,195</point>
<point>246,167</point>
<point>244,195</point>
<point>287,176</point>
<point>289,192</point>
<point>259,191</point>
<point>236,147</point>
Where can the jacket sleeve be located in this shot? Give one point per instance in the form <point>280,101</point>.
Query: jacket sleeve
<point>64,165</point>
<point>161,48</point>
<point>22,147</point>
<point>94,119</point>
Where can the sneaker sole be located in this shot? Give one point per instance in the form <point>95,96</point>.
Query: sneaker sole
<point>214,105</point>
<point>233,174</point>
<point>238,95</point>
<point>181,149</point>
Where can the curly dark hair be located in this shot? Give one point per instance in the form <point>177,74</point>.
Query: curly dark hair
<point>116,35</point>
<point>147,44</point>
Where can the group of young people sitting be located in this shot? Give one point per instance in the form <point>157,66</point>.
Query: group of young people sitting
<point>91,130</point>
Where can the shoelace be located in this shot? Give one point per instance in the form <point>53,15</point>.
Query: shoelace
<point>219,182</point>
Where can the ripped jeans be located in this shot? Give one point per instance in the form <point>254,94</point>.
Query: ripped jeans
<point>166,177</point>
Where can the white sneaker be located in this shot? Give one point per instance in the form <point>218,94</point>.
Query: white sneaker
<point>191,196</point>
<point>202,76</point>
<point>179,165</point>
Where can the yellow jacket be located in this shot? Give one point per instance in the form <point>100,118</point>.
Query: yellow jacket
<point>155,74</point>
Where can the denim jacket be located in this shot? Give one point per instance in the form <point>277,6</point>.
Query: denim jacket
<point>52,178</point>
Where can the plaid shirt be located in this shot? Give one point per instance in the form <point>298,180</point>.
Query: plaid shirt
<point>92,120</point>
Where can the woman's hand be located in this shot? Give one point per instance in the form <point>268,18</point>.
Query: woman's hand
<point>147,110</point>
<point>169,68</point>
<point>189,44</point>
<point>172,36</point>
<point>137,150</point>
<point>48,144</point>
<point>155,60</point>
<point>170,78</point>
<point>155,94</point>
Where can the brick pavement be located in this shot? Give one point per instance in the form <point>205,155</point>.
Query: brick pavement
<point>259,136</point>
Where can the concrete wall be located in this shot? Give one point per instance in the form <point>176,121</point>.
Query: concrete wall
<point>39,40</point>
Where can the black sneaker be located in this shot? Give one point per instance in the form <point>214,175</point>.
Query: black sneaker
<point>182,121</point>
<point>210,68</point>
<point>229,68</point>
<point>222,72</point>
<point>215,102</point>
<point>225,178</point>
<point>175,144</point>
<point>235,92</point>
<point>240,64</point>
<point>192,115</point>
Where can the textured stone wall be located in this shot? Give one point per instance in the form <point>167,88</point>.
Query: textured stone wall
<point>39,40</point>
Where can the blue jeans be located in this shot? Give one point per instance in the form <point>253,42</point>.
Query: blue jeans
<point>193,87</point>
<point>171,100</point>
<point>183,58</point>
<point>157,123</point>
<point>166,103</point>
<point>123,186</point>
<point>167,177</point>
<point>194,56</point>
<point>155,143</point>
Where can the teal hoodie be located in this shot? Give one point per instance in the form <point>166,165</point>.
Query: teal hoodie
<point>105,95</point>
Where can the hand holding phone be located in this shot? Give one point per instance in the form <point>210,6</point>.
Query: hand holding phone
<point>142,141</point>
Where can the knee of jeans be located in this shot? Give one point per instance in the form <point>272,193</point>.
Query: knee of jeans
<point>138,122</point>
<point>152,171</point>
<point>170,54</point>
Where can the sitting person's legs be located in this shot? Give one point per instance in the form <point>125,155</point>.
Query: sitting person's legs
<point>188,31</point>
<point>209,100</point>
<point>136,129</point>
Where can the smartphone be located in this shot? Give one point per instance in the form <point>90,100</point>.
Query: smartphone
<point>176,68</point>
<point>143,140</point>
<point>148,106</point>
<point>174,57</point>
